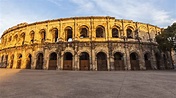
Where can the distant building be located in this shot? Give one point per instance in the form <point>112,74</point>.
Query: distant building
<point>82,43</point>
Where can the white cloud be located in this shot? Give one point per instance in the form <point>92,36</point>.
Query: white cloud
<point>137,10</point>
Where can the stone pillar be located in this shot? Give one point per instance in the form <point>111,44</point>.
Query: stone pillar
<point>128,60</point>
<point>112,63</point>
<point>76,64</point>
<point>142,62</point>
<point>108,62</point>
<point>153,60</point>
<point>15,61</point>
<point>94,61</point>
<point>61,60</point>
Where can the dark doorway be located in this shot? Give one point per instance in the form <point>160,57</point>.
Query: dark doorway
<point>101,61</point>
<point>147,61</point>
<point>29,61</point>
<point>68,57</point>
<point>84,61</point>
<point>134,60</point>
<point>118,61</point>
<point>53,61</point>
<point>39,63</point>
<point>19,61</point>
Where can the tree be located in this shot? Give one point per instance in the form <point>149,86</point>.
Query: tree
<point>167,40</point>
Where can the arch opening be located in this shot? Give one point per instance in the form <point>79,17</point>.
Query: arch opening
<point>115,33</point>
<point>119,61</point>
<point>84,61</point>
<point>39,62</point>
<point>29,61</point>
<point>147,61</point>
<point>101,61</point>
<point>100,32</point>
<point>68,57</point>
<point>19,61</point>
<point>134,60</point>
<point>53,61</point>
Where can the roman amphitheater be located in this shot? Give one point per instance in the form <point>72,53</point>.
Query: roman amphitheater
<point>82,43</point>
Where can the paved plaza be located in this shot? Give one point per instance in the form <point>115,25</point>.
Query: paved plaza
<point>20,83</point>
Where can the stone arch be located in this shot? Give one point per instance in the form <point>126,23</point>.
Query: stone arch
<point>10,38</point>
<point>53,61</point>
<point>119,61</point>
<point>6,61</point>
<point>129,32</point>
<point>68,34</point>
<point>115,32</point>
<point>22,37</point>
<point>100,31</point>
<point>42,35</point>
<point>84,61</point>
<point>28,61</point>
<point>32,34</point>
<point>55,33</point>
<point>84,31</point>
<point>134,60</point>
<point>16,37</point>
<point>68,59</point>
<point>147,59</point>
<point>19,60</point>
<point>39,61</point>
<point>101,61</point>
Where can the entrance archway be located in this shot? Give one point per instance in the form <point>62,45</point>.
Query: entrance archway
<point>134,60</point>
<point>39,62</point>
<point>118,61</point>
<point>6,61</point>
<point>101,61</point>
<point>19,61</point>
<point>84,61</point>
<point>68,57</point>
<point>53,61</point>
<point>147,61</point>
<point>29,61</point>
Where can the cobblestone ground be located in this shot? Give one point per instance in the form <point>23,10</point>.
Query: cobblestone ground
<point>16,83</point>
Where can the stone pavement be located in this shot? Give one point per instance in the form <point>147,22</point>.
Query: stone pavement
<point>17,83</point>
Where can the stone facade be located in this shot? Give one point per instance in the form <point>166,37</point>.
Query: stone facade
<point>81,43</point>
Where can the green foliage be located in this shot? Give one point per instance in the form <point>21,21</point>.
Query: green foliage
<point>167,38</point>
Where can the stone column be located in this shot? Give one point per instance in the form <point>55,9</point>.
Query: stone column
<point>128,60</point>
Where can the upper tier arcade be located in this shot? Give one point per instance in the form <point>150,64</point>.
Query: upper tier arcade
<point>78,29</point>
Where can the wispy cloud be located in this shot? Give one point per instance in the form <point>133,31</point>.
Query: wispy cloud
<point>151,11</point>
<point>137,10</point>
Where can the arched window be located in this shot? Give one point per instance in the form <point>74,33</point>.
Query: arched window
<point>16,37</point>
<point>55,34</point>
<point>69,34</point>
<point>43,35</point>
<point>22,38</point>
<point>32,36</point>
<point>10,38</point>
<point>129,33</point>
<point>100,32</point>
<point>84,32</point>
<point>115,33</point>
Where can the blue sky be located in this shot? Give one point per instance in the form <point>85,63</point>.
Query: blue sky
<point>157,12</point>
